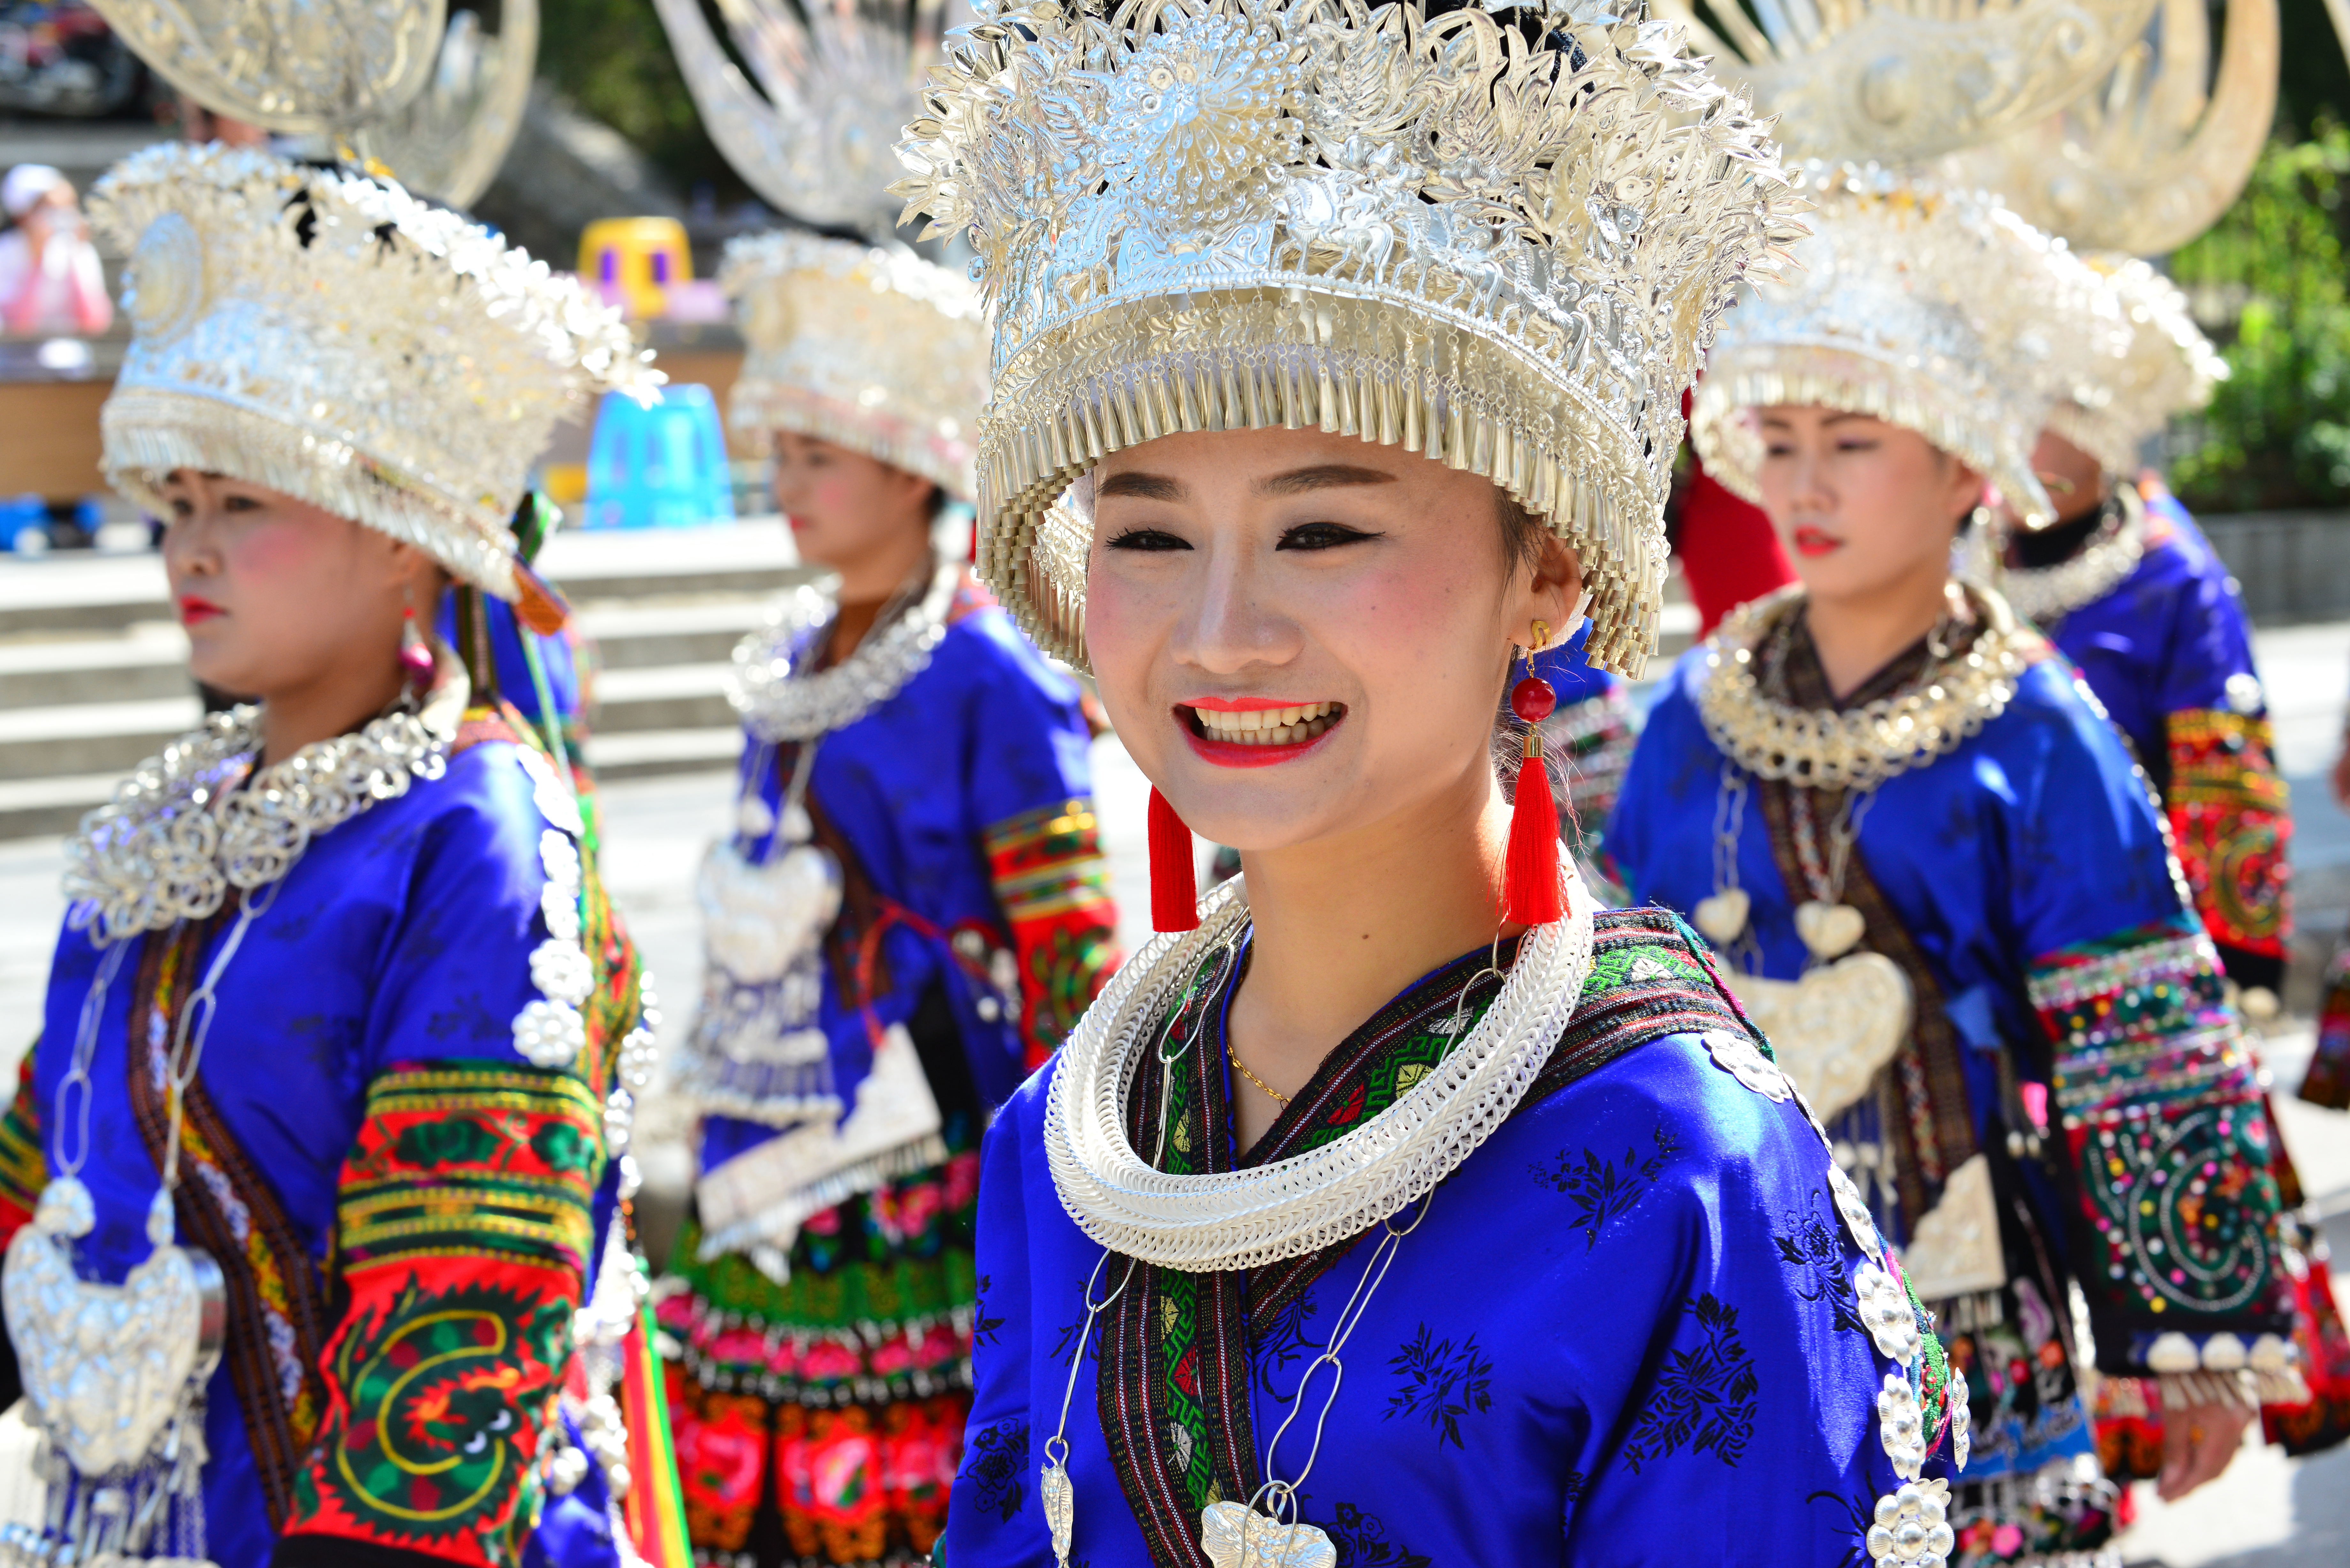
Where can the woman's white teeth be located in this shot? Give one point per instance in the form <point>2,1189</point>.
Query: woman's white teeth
<point>1270,726</point>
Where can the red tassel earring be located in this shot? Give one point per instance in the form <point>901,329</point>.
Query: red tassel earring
<point>1529,885</point>
<point>1174,884</point>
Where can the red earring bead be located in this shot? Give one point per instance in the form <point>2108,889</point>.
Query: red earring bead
<point>1533,699</point>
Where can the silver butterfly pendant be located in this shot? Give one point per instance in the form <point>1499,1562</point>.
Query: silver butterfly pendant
<point>1235,1535</point>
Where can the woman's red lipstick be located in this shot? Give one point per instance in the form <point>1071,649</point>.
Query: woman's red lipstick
<point>1256,731</point>
<point>1815,542</point>
<point>193,610</point>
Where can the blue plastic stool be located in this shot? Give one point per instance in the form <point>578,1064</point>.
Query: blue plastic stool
<point>659,467</point>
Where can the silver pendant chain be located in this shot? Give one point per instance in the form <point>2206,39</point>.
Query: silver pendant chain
<point>1265,1530</point>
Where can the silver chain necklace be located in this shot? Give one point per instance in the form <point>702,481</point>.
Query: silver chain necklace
<point>777,702</point>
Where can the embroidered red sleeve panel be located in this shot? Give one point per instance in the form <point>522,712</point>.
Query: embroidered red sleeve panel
<point>22,1170</point>
<point>2229,818</point>
<point>1054,888</point>
<point>465,1229</point>
<point>2159,1104</point>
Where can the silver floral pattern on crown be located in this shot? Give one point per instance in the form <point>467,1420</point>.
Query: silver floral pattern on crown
<point>1500,243</point>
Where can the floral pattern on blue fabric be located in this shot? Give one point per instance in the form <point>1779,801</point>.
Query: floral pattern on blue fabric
<point>1362,1541</point>
<point>1705,1395</point>
<point>1813,1247</point>
<point>995,1464</point>
<point>1441,1384</point>
<point>1604,1191</point>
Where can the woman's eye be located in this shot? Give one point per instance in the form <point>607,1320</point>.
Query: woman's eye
<point>1856,443</point>
<point>1321,537</point>
<point>240,504</point>
<point>1146,539</point>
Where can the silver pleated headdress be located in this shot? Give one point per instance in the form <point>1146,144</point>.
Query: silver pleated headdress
<point>1502,242</point>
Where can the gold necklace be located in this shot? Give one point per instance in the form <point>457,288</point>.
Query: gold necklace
<point>1862,748</point>
<point>1252,1078</point>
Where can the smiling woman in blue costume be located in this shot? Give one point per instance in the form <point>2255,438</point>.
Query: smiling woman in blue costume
<point>332,1061</point>
<point>910,914</point>
<point>1942,886</point>
<point>1399,1100</point>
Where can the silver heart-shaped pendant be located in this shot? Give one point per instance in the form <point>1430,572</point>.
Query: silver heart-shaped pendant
<point>1723,916</point>
<point>1828,929</point>
<point>1233,1534</point>
<point>108,1366</point>
<point>758,917</point>
<point>1833,1029</point>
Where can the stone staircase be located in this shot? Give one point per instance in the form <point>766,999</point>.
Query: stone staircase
<point>93,676</point>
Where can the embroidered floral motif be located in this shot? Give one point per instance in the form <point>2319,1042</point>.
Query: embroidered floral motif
<point>1054,888</point>
<point>1602,1189</point>
<point>1705,1395</point>
<point>995,1464</point>
<point>1363,1540</point>
<point>2227,806</point>
<point>983,1326</point>
<point>1441,1384</point>
<point>1811,1247</point>
<point>1280,1347</point>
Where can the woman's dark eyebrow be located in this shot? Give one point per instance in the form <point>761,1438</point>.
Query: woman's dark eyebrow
<point>1147,487</point>
<point>1322,476</point>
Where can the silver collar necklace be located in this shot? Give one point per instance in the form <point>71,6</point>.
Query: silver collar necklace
<point>2046,595</point>
<point>778,700</point>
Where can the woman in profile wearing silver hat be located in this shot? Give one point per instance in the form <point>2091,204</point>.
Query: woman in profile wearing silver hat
<point>910,915</point>
<point>1396,1204</point>
<point>1940,885</point>
<point>314,1186</point>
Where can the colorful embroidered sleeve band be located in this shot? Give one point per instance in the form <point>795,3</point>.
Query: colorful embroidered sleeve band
<point>466,1232</point>
<point>23,1169</point>
<point>2229,820</point>
<point>1054,886</point>
<point>2161,1115</point>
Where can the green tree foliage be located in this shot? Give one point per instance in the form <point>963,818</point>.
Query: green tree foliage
<point>2269,282</point>
<point>612,59</point>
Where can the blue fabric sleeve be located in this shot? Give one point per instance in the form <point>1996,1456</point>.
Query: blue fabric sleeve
<point>994,1519</point>
<point>457,968</point>
<point>1028,746</point>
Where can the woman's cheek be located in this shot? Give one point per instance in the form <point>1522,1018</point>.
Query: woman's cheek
<point>1119,614</point>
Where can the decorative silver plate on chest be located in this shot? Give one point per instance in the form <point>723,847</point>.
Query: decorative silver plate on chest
<point>1834,1029</point>
<point>108,1367</point>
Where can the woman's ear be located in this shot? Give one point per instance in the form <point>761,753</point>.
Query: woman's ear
<point>1963,490</point>
<point>1554,585</point>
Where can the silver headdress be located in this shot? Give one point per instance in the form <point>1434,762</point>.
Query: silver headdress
<point>874,349</point>
<point>327,334</point>
<point>2165,367</point>
<point>1923,308</point>
<point>1436,232</point>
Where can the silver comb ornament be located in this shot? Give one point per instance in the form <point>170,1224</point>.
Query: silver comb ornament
<point>450,140</point>
<point>837,79</point>
<point>298,66</point>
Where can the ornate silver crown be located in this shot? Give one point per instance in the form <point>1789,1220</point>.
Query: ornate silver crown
<point>327,335</point>
<point>1500,242</point>
<point>1931,309</point>
<point>2164,367</point>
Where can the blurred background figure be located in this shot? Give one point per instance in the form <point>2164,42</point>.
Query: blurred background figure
<point>50,281</point>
